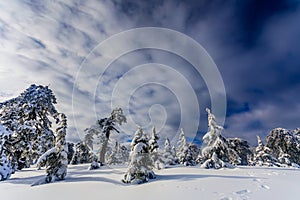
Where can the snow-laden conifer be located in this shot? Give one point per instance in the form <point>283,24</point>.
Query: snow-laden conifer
<point>5,165</point>
<point>285,146</point>
<point>119,155</point>
<point>168,155</point>
<point>263,155</point>
<point>82,154</point>
<point>71,151</point>
<point>184,151</point>
<point>28,116</point>
<point>56,158</point>
<point>216,153</point>
<point>140,162</point>
<point>155,152</point>
<point>242,148</point>
<point>89,140</point>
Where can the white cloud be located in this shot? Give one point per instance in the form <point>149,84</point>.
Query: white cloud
<point>46,42</point>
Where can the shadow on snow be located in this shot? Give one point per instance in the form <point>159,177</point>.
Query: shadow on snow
<point>188,177</point>
<point>91,179</point>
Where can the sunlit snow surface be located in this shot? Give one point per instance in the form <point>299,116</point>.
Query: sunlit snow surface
<point>171,183</point>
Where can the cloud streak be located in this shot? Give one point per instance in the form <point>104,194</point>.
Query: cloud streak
<point>254,44</point>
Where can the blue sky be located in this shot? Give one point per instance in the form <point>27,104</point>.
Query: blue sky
<point>254,43</point>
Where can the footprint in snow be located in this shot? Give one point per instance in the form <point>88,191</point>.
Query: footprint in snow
<point>275,173</point>
<point>251,174</point>
<point>257,180</point>
<point>226,198</point>
<point>265,187</point>
<point>241,192</point>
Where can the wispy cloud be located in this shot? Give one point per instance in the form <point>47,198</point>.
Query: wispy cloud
<point>254,44</point>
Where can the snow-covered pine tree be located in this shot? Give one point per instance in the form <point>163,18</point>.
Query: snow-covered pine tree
<point>195,150</point>
<point>94,130</point>
<point>174,153</point>
<point>181,141</point>
<point>119,155</point>
<point>153,145</point>
<point>56,158</point>
<point>285,146</point>
<point>75,158</point>
<point>113,157</point>
<point>296,132</point>
<point>124,151</point>
<point>70,151</point>
<point>263,155</point>
<point>140,162</point>
<point>168,156</point>
<point>89,140</point>
<point>216,153</point>
<point>82,154</point>
<point>38,103</point>
<point>28,117</point>
<point>184,152</point>
<point>242,148</point>
<point>5,165</point>
<point>154,150</point>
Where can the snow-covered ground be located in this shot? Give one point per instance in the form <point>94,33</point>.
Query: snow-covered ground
<point>172,183</point>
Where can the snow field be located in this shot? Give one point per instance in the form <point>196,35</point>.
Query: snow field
<point>171,183</point>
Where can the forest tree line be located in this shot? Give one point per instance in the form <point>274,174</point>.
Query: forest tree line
<point>27,138</point>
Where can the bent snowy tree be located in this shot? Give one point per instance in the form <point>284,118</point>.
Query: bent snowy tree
<point>103,129</point>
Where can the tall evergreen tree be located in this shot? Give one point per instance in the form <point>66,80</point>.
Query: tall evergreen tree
<point>216,153</point>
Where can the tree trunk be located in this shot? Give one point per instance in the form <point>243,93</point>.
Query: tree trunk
<point>103,151</point>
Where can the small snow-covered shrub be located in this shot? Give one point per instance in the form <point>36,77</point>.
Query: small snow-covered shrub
<point>94,165</point>
<point>5,168</point>
<point>140,165</point>
<point>5,165</point>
